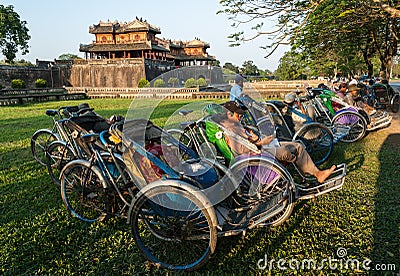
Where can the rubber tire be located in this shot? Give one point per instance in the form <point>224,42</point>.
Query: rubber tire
<point>40,141</point>
<point>171,240</point>
<point>283,187</point>
<point>357,131</point>
<point>395,103</point>
<point>319,154</point>
<point>92,207</point>
<point>57,156</point>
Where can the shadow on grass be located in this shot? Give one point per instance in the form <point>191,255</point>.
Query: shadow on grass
<point>386,232</point>
<point>241,253</point>
<point>349,153</point>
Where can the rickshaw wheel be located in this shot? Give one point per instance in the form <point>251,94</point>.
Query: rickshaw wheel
<point>40,141</point>
<point>318,140</point>
<point>172,228</point>
<point>395,103</point>
<point>355,121</point>
<point>57,156</point>
<point>83,192</point>
<point>264,180</point>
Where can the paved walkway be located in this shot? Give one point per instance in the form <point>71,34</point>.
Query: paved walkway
<point>394,128</point>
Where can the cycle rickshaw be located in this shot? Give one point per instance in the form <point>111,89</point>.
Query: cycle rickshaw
<point>383,96</point>
<point>186,200</point>
<point>329,109</point>
<point>317,138</point>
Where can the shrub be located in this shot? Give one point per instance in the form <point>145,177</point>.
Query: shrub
<point>40,83</point>
<point>190,83</point>
<point>201,82</point>
<point>1,86</point>
<point>173,81</point>
<point>143,83</point>
<point>159,83</point>
<point>18,83</point>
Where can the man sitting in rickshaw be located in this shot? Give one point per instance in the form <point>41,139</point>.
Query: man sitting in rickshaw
<point>353,98</point>
<point>285,152</point>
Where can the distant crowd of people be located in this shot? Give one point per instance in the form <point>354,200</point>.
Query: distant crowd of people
<point>358,93</point>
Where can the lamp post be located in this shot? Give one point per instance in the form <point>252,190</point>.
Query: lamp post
<point>210,73</point>
<point>51,74</point>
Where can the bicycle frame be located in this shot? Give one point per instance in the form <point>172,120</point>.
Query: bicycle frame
<point>97,160</point>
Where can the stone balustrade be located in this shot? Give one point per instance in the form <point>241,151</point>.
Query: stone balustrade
<point>267,90</point>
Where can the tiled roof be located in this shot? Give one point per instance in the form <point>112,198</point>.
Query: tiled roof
<point>134,26</point>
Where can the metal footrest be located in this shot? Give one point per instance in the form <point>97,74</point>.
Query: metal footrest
<point>334,182</point>
<point>339,131</point>
<point>380,123</point>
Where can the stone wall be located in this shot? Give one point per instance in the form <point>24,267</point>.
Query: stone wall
<point>116,72</point>
<point>106,73</point>
<point>121,73</point>
<point>55,76</point>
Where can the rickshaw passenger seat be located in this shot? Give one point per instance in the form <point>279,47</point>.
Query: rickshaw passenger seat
<point>216,136</point>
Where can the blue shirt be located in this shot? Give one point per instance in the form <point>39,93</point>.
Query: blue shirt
<point>236,92</point>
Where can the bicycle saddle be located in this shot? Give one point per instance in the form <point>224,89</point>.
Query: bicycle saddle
<point>51,112</point>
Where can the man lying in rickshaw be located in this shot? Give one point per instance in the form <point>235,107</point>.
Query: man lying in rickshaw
<point>285,152</point>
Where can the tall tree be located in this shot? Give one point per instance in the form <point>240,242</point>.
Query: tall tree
<point>291,67</point>
<point>365,27</point>
<point>249,68</point>
<point>229,66</point>
<point>68,56</point>
<point>13,33</point>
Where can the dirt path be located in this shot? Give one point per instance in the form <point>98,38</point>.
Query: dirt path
<point>394,128</point>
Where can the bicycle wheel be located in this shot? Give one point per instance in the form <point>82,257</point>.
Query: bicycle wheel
<point>181,136</point>
<point>267,186</point>
<point>354,121</point>
<point>58,155</point>
<point>83,192</point>
<point>125,189</point>
<point>184,139</point>
<point>318,140</point>
<point>40,141</point>
<point>172,228</point>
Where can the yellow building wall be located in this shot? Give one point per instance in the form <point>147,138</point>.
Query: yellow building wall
<point>104,38</point>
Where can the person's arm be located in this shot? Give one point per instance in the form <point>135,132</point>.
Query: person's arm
<point>265,141</point>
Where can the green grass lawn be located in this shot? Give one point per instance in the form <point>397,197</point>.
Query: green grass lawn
<point>38,236</point>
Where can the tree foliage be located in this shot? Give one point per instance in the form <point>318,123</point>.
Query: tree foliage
<point>229,66</point>
<point>159,83</point>
<point>18,84</point>
<point>249,68</point>
<point>40,83</point>
<point>335,34</point>
<point>190,82</point>
<point>13,33</point>
<point>68,56</point>
<point>201,82</point>
<point>292,67</point>
<point>143,83</point>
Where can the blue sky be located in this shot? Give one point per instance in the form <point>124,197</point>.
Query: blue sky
<point>58,27</point>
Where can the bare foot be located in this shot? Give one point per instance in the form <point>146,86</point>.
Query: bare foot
<point>323,175</point>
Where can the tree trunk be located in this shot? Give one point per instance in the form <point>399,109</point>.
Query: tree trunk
<point>386,65</point>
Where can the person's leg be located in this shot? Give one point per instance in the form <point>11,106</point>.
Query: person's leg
<point>303,160</point>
